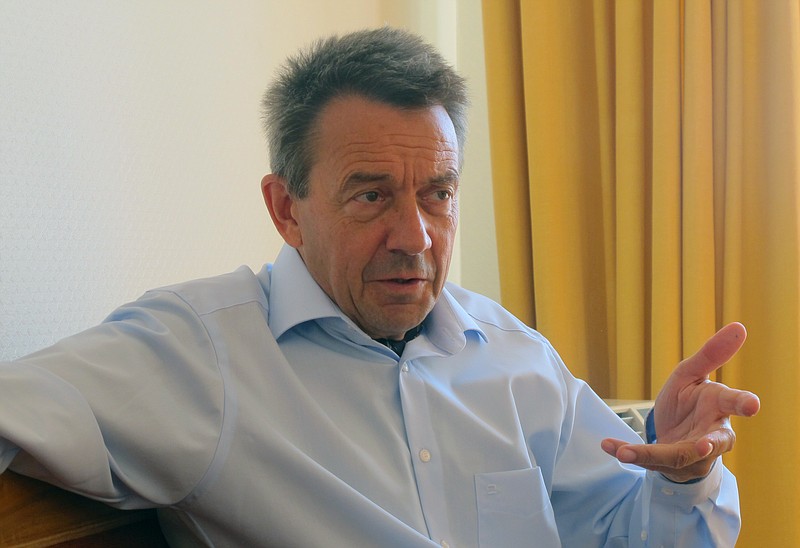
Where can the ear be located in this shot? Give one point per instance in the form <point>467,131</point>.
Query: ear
<point>280,205</point>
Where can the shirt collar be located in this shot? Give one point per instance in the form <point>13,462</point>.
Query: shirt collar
<point>295,298</point>
<point>448,324</point>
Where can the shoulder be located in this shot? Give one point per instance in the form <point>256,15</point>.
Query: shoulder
<point>491,315</point>
<point>510,348</point>
<point>207,295</point>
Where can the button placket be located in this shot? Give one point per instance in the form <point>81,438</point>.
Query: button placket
<point>424,449</point>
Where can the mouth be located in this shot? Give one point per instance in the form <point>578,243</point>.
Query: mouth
<point>404,281</point>
<point>403,285</point>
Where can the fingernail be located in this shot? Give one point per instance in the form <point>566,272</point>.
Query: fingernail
<point>626,455</point>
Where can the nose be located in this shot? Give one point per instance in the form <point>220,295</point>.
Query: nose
<point>408,229</point>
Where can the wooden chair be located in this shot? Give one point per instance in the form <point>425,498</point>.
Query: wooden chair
<point>35,514</point>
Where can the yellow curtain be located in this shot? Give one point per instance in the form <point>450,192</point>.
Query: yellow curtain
<point>645,163</point>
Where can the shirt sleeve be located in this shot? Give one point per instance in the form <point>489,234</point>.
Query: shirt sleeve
<point>599,501</point>
<point>128,412</point>
<point>705,513</point>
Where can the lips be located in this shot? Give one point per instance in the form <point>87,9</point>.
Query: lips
<point>404,280</point>
<point>401,290</point>
<point>400,270</point>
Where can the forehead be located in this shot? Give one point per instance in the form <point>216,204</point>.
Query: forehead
<point>353,129</point>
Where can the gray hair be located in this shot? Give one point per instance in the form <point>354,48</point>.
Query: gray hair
<point>387,65</point>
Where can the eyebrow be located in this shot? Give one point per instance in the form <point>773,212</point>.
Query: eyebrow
<point>359,177</point>
<point>446,178</point>
<point>367,177</point>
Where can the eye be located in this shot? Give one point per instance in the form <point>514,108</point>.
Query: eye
<point>440,195</point>
<point>369,197</point>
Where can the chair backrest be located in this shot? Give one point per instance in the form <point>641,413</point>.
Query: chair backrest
<point>35,514</point>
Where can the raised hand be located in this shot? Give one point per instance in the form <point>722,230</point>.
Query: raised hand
<point>692,414</point>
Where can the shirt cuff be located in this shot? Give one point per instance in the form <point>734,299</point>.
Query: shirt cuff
<point>689,494</point>
<point>650,426</point>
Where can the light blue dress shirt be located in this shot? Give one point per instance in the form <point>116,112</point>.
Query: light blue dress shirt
<point>253,413</point>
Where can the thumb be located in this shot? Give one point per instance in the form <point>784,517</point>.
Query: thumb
<point>716,351</point>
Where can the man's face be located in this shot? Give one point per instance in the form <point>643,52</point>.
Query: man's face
<point>377,227</point>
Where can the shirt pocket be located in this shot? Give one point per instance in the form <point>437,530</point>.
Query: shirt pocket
<point>514,510</point>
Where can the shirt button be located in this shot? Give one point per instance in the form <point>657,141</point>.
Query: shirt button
<point>667,491</point>
<point>644,535</point>
<point>424,455</point>
<point>444,544</point>
<point>404,369</point>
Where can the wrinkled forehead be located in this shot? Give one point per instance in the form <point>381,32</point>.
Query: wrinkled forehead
<point>353,128</point>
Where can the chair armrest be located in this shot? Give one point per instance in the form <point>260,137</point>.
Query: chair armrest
<point>33,513</point>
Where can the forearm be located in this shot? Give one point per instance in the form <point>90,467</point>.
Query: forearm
<point>600,502</point>
<point>705,513</point>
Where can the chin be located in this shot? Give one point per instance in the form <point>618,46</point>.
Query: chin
<point>402,330</point>
<point>394,318</point>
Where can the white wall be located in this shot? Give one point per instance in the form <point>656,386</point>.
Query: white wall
<point>478,250</point>
<point>131,148</point>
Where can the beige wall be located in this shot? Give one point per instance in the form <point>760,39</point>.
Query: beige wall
<point>132,148</point>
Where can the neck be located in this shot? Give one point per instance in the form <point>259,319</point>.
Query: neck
<point>398,345</point>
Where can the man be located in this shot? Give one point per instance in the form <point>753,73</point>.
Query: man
<point>345,395</point>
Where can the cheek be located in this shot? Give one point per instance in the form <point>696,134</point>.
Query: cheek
<point>444,237</point>
<point>306,223</point>
<point>350,250</point>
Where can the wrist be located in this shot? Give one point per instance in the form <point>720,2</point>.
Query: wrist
<point>693,480</point>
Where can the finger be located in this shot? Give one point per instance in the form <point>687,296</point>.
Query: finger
<point>738,402</point>
<point>715,352</point>
<point>669,456</point>
<point>681,465</point>
<point>611,445</point>
<point>715,443</point>
<point>629,453</point>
